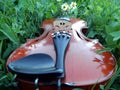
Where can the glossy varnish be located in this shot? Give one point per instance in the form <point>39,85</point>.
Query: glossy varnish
<point>84,66</point>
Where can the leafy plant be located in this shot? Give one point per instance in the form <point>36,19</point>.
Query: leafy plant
<point>6,79</point>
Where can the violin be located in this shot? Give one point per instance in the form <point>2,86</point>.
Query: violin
<point>62,52</point>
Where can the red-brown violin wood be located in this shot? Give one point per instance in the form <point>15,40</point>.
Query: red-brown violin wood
<point>84,66</point>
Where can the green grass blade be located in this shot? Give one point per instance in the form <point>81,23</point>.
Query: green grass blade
<point>1,43</point>
<point>8,32</point>
<point>112,80</point>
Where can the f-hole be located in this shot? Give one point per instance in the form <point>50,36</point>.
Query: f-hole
<point>78,35</point>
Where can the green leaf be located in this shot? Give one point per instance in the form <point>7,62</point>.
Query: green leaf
<point>8,32</point>
<point>110,41</point>
<point>2,36</point>
<point>77,89</point>
<point>114,26</point>
<point>8,50</point>
<point>116,35</point>
<point>104,50</point>
<point>102,87</point>
<point>92,34</point>
<point>3,77</point>
<point>1,43</point>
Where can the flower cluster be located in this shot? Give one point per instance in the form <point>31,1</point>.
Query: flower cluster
<point>66,7</point>
<point>69,8</point>
<point>58,0</point>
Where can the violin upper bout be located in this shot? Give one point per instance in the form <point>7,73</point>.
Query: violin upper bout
<point>79,25</point>
<point>47,25</point>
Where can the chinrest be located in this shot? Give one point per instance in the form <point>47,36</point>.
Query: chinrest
<point>35,64</point>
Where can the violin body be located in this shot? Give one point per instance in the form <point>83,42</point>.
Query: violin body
<point>84,67</point>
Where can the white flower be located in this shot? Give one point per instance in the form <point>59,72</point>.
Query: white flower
<point>65,7</point>
<point>73,5</point>
<point>58,0</point>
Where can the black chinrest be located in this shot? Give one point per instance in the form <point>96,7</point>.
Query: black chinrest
<point>35,64</point>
